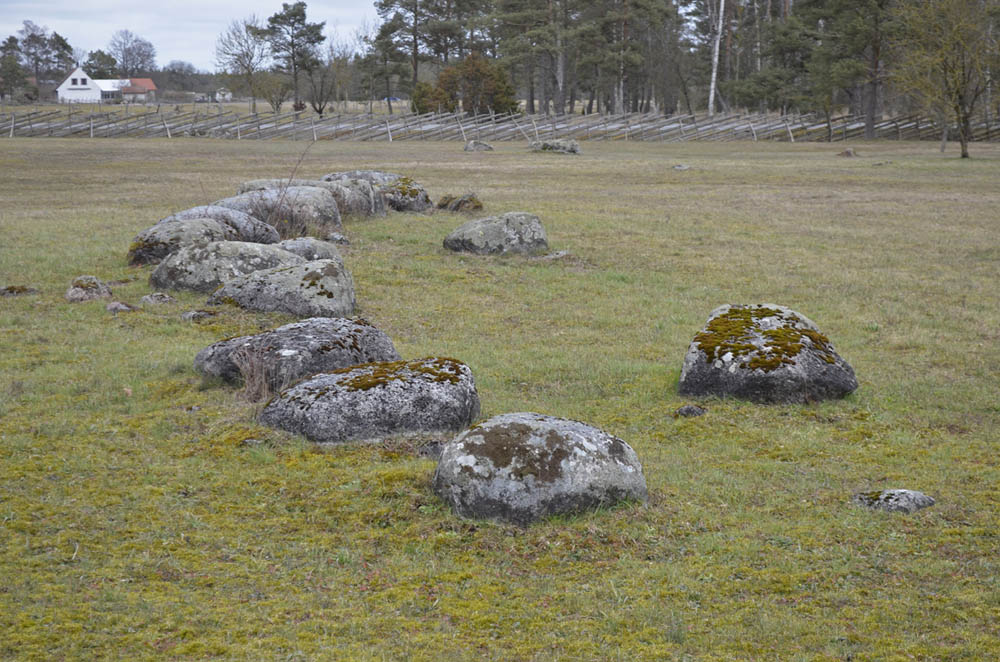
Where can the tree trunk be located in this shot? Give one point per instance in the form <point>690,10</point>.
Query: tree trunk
<point>715,59</point>
<point>964,129</point>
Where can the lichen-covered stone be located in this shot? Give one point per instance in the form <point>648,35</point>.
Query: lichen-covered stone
<point>116,307</point>
<point>203,268</point>
<point>401,193</point>
<point>311,248</point>
<point>468,202</point>
<point>157,299</point>
<point>294,210</point>
<point>558,145</point>
<point>293,351</point>
<point>764,353</point>
<point>155,243</point>
<point>372,401</point>
<point>87,288</point>
<point>246,226</point>
<point>893,501</point>
<point>478,146</point>
<point>319,288</point>
<point>521,467</point>
<point>355,197</point>
<point>513,232</point>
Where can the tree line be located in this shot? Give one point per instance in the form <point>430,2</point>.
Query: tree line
<point>866,57</point>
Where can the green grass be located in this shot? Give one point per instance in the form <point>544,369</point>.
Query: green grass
<point>136,524</point>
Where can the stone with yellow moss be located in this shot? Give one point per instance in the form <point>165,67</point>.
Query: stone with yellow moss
<point>372,401</point>
<point>764,353</point>
<point>523,466</point>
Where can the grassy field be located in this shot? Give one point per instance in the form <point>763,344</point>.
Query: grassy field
<point>135,523</point>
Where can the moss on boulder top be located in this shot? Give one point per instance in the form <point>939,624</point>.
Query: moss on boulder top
<point>520,467</point>
<point>764,353</point>
<point>375,400</point>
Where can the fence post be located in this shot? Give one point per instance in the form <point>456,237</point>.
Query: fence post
<point>388,130</point>
<point>312,121</point>
<point>11,125</point>
<point>162,119</point>
<point>238,136</point>
<point>91,126</point>
<point>458,118</point>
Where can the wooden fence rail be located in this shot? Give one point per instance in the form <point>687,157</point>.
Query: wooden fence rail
<point>210,123</point>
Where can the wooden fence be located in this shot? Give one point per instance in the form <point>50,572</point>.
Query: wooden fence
<point>451,126</point>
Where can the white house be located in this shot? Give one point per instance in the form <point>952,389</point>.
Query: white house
<point>79,87</point>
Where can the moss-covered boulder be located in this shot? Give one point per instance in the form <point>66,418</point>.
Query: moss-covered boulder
<point>893,501</point>
<point>87,288</point>
<point>764,353</point>
<point>513,232</point>
<point>468,202</point>
<point>285,355</point>
<point>370,402</point>
<point>401,193</point>
<point>157,242</point>
<point>293,211</point>
<point>205,267</point>
<point>521,467</point>
<point>355,197</point>
<point>247,227</point>
<point>319,288</point>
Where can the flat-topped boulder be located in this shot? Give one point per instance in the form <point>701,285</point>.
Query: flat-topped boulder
<point>478,146</point>
<point>513,232</point>
<point>893,501</point>
<point>376,400</point>
<point>401,193</point>
<point>158,241</point>
<point>288,353</point>
<point>87,288</point>
<point>203,268</point>
<point>764,353</point>
<point>558,145</point>
<point>520,467</point>
<point>318,288</point>
<point>311,248</point>
<point>247,227</point>
<point>293,211</point>
<point>355,197</point>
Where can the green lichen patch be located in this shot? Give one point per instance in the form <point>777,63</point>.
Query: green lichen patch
<point>438,370</point>
<point>738,332</point>
<point>405,187</point>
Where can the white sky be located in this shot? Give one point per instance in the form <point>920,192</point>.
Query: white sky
<point>178,29</point>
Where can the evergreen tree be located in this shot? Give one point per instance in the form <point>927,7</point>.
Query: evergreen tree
<point>293,41</point>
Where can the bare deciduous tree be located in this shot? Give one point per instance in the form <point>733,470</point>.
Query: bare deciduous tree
<point>133,53</point>
<point>241,52</point>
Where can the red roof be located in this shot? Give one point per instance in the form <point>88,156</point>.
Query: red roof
<point>146,83</point>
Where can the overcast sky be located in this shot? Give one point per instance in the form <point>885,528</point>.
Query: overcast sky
<point>178,29</point>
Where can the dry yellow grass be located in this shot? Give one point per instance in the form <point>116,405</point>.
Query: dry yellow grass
<point>135,523</point>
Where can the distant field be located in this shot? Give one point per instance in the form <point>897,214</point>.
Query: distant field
<point>136,524</point>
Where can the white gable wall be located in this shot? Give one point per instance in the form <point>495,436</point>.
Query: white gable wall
<point>79,87</point>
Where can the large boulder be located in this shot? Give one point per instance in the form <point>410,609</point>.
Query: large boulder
<point>764,353</point>
<point>311,248</point>
<point>355,197</point>
<point>401,193</point>
<point>320,288</point>
<point>203,268</point>
<point>294,210</point>
<point>285,355</point>
<point>520,467</point>
<point>513,232</point>
<point>368,402</point>
<point>478,146</point>
<point>155,243</point>
<point>247,227</point>
<point>87,288</point>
